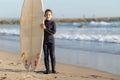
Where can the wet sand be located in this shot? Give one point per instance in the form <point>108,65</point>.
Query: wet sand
<point>11,68</point>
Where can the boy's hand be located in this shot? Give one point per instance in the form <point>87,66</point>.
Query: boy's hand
<point>43,26</point>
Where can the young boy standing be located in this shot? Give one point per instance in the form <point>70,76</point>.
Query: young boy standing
<point>49,27</point>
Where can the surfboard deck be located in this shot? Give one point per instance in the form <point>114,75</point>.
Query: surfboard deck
<point>31,34</point>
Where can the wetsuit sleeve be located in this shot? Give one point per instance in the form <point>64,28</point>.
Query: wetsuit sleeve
<point>51,30</point>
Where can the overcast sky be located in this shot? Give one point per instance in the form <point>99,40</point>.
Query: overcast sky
<point>65,8</point>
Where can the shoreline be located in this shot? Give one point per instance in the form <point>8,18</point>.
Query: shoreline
<point>68,20</point>
<point>11,68</point>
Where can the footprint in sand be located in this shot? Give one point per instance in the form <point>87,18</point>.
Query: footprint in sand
<point>11,64</point>
<point>29,77</point>
<point>4,77</point>
<point>15,63</point>
<point>96,76</point>
<point>84,77</point>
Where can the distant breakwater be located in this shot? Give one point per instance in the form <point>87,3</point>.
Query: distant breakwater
<point>68,20</point>
<point>9,21</point>
<point>87,19</point>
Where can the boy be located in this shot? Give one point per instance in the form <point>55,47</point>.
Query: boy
<point>49,27</point>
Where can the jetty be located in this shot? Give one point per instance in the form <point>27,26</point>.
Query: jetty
<point>68,20</point>
<point>87,19</point>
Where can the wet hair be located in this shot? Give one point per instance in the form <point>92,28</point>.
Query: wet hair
<point>48,10</point>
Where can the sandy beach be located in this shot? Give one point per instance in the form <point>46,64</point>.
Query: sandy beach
<point>11,68</point>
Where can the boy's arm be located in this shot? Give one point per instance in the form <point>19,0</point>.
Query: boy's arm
<point>52,30</point>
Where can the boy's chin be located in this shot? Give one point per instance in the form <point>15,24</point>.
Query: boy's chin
<point>48,19</point>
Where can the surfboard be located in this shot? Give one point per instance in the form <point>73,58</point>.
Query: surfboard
<point>31,34</point>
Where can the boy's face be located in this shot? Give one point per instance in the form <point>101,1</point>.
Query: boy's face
<point>48,15</point>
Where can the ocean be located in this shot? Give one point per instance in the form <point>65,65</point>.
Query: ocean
<point>92,44</point>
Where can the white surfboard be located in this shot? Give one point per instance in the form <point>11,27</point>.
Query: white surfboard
<point>31,34</point>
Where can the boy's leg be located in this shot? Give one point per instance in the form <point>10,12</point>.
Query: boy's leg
<point>46,57</point>
<point>52,56</point>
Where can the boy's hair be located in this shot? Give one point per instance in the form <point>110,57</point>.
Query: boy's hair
<point>48,10</point>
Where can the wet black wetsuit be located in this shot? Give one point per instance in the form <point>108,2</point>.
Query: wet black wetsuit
<point>49,44</point>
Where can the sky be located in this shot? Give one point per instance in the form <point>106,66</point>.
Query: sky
<point>11,9</point>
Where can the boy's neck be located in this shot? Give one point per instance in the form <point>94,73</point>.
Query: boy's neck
<point>48,19</point>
